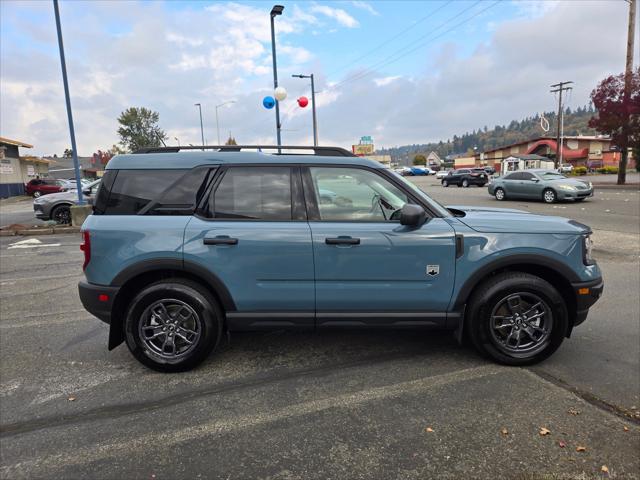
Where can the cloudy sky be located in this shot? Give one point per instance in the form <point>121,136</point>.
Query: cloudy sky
<point>402,72</point>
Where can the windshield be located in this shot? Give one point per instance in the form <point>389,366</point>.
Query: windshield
<point>441,210</point>
<point>551,176</point>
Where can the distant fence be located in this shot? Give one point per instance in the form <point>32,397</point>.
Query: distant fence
<point>11,189</point>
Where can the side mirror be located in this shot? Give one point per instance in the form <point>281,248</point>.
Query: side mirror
<point>412,215</point>
<point>535,180</point>
<point>86,191</point>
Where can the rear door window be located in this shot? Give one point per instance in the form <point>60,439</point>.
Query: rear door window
<point>253,193</point>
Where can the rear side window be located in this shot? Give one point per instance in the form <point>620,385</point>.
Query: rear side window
<point>253,193</point>
<point>513,176</point>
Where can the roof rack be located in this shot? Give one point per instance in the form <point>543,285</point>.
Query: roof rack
<point>318,151</point>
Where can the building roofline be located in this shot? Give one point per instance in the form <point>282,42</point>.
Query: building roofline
<point>17,143</point>
<point>549,137</point>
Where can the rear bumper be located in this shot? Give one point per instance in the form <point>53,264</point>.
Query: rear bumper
<point>98,299</point>
<point>587,293</point>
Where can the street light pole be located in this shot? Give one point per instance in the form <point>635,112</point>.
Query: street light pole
<point>72,133</point>
<point>217,122</point>
<point>201,126</point>
<point>275,11</point>
<point>313,107</point>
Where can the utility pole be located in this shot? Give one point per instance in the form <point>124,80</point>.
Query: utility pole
<point>559,88</point>
<point>201,126</point>
<point>313,107</point>
<point>275,11</point>
<point>67,97</point>
<point>626,96</point>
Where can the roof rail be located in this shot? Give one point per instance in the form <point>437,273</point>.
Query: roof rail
<point>319,151</point>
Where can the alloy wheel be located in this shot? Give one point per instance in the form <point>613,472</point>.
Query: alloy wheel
<point>549,196</point>
<point>170,328</point>
<point>521,324</point>
<point>499,194</point>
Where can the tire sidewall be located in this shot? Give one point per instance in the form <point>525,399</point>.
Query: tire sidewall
<point>482,306</point>
<point>206,308</point>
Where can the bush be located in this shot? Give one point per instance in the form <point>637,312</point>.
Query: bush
<point>580,171</point>
<point>608,170</point>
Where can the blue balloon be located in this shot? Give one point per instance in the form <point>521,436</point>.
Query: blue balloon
<point>269,102</point>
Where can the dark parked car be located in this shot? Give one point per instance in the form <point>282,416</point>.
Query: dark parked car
<point>43,186</point>
<point>489,170</point>
<point>464,177</point>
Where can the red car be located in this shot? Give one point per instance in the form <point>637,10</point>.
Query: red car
<point>42,186</point>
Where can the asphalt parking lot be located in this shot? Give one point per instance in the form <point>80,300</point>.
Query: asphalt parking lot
<point>329,405</point>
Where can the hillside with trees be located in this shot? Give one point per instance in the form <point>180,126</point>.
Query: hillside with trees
<point>576,122</point>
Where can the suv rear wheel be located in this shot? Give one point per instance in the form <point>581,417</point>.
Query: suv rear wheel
<point>173,325</point>
<point>517,319</point>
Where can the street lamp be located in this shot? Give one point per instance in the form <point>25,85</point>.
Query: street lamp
<point>217,123</point>
<point>313,108</point>
<point>275,11</point>
<point>201,127</point>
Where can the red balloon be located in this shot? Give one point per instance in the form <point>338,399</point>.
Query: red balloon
<point>303,101</point>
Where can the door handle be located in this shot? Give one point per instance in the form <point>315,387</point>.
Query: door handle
<point>342,241</point>
<point>220,240</point>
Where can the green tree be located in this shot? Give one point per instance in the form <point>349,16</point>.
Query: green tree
<point>139,128</point>
<point>419,159</point>
<point>68,153</point>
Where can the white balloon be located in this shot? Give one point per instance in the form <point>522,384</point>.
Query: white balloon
<point>280,93</point>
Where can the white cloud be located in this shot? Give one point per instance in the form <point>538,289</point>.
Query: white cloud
<point>365,6</point>
<point>338,14</point>
<point>381,82</point>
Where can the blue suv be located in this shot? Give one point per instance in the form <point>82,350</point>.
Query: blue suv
<point>184,246</point>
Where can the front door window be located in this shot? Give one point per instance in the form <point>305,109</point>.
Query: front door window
<point>350,194</point>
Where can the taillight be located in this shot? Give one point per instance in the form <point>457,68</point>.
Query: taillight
<point>85,246</point>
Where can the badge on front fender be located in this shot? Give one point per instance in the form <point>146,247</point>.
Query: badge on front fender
<point>433,270</point>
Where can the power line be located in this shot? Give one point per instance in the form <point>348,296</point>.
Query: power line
<point>390,59</point>
<point>389,40</point>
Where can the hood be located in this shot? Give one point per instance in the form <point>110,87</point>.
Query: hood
<point>570,181</point>
<point>70,195</point>
<point>508,220</point>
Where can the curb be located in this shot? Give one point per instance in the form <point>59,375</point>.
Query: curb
<point>39,231</point>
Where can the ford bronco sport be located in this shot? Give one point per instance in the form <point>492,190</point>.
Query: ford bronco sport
<point>184,246</point>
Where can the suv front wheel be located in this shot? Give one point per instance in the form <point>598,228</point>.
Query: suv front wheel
<point>173,325</point>
<point>517,319</point>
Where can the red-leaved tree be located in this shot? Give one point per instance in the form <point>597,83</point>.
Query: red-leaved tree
<point>617,116</point>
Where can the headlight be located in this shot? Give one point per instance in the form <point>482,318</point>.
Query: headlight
<point>567,187</point>
<point>587,248</point>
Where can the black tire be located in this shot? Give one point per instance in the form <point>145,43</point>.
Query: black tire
<point>549,196</point>
<point>465,183</point>
<point>491,295</point>
<point>61,214</point>
<point>208,315</point>
<point>500,196</point>
<point>445,183</point>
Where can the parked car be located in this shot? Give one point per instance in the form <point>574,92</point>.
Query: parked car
<point>565,168</point>
<point>440,174</point>
<point>57,206</point>
<point>404,171</point>
<point>489,170</point>
<point>44,186</point>
<point>418,171</point>
<point>537,184</point>
<point>465,177</point>
<point>185,247</point>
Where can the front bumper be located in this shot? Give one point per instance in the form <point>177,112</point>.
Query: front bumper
<point>574,194</point>
<point>40,213</point>
<point>97,299</point>
<point>587,293</point>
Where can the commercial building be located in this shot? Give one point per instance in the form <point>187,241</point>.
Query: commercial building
<point>16,170</point>
<point>587,151</point>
